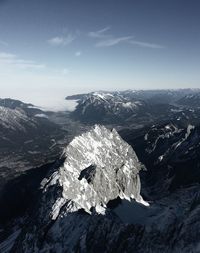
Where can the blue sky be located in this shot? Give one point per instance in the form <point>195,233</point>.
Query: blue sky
<point>50,49</point>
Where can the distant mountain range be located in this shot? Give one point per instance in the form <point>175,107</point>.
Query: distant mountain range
<point>128,107</point>
<point>191,100</point>
<point>165,96</point>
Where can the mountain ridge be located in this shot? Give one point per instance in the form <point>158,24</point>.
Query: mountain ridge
<point>67,190</point>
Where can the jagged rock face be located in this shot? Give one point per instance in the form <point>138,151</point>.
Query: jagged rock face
<point>99,166</point>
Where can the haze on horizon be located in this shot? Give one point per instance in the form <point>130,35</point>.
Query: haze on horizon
<point>50,49</point>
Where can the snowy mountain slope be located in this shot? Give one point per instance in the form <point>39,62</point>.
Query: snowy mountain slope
<point>29,109</point>
<point>15,119</point>
<point>19,127</point>
<point>171,152</point>
<point>26,140</point>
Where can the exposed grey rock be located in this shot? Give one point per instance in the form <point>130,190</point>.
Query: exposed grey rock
<point>98,167</point>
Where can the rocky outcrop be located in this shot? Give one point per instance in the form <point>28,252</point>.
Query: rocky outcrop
<point>98,167</point>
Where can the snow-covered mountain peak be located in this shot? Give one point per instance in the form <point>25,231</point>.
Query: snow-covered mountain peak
<point>99,166</point>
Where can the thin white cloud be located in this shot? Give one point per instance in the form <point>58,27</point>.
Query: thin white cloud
<point>13,60</point>
<point>108,40</point>
<point>100,33</point>
<point>146,44</point>
<point>113,41</point>
<point>78,53</point>
<point>61,40</point>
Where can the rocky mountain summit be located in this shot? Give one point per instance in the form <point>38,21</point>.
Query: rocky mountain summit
<point>98,167</point>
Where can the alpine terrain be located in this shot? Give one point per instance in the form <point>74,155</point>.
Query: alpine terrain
<point>97,167</point>
<point>120,173</point>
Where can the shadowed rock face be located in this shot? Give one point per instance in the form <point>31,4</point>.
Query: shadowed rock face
<point>88,173</point>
